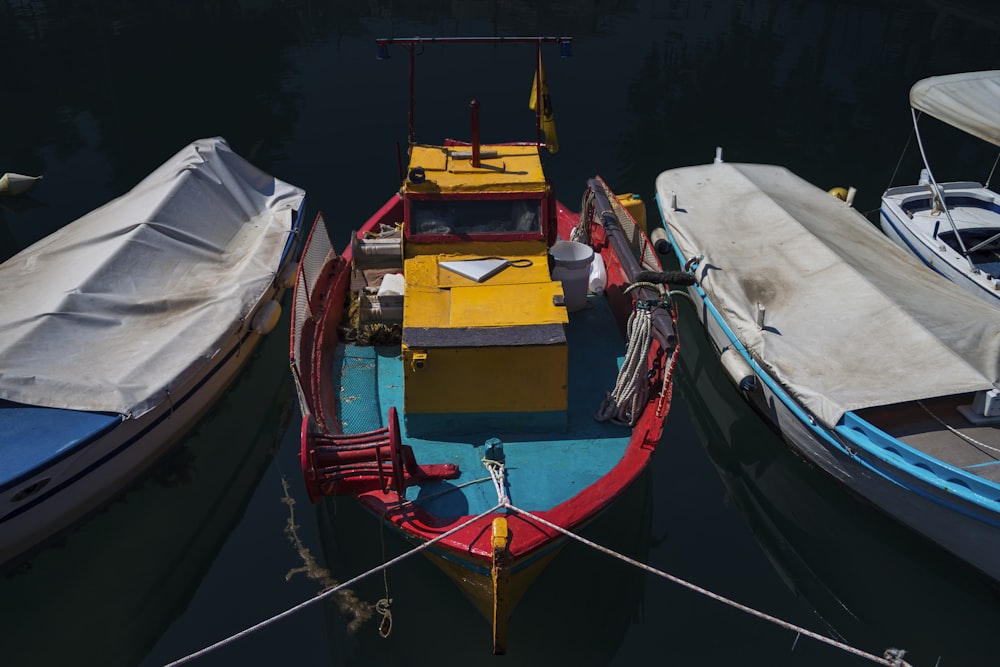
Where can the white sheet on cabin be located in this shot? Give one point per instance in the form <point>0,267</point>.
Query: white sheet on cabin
<point>969,101</point>
<point>136,297</point>
<point>851,320</point>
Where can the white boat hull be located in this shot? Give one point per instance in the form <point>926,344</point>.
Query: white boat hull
<point>908,218</point>
<point>871,368</point>
<point>963,529</point>
<point>71,488</point>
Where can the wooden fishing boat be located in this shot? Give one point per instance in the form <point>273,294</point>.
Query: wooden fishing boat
<point>874,370</point>
<point>120,330</point>
<point>953,227</point>
<point>465,373</point>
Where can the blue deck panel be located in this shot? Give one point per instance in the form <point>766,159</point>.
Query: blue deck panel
<point>543,470</point>
<point>35,436</point>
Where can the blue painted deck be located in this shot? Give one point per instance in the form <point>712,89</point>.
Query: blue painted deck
<point>543,470</point>
<point>35,436</point>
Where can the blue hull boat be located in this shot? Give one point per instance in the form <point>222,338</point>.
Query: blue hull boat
<point>124,327</point>
<point>874,370</point>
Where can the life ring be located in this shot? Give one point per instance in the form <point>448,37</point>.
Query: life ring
<point>417,175</point>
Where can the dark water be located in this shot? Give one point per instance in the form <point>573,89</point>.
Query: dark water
<point>96,95</point>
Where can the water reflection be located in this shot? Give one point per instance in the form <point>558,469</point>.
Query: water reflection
<point>874,583</point>
<point>103,594</point>
<point>577,612</point>
<point>98,94</point>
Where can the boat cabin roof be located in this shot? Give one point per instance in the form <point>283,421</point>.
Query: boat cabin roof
<point>503,168</point>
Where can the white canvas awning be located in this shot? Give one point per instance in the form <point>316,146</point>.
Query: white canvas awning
<point>136,297</point>
<point>969,101</point>
<point>850,319</point>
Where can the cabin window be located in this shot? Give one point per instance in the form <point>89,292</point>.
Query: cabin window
<point>476,216</point>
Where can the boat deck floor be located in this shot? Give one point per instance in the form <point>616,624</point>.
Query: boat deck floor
<point>937,428</point>
<point>542,470</point>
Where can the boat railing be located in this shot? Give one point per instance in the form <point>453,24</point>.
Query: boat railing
<point>619,227</point>
<point>315,257</point>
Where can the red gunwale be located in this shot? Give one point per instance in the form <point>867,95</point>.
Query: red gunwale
<point>474,541</point>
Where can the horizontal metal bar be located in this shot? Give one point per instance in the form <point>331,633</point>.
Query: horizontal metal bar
<point>472,40</point>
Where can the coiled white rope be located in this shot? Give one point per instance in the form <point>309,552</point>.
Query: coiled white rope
<point>892,658</point>
<point>623,404</point>
<point>322,595</point>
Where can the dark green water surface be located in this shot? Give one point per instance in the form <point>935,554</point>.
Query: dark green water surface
<point>95,95</point>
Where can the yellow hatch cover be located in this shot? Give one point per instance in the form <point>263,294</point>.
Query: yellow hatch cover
<point>516,296</point>
<point>448,169</point>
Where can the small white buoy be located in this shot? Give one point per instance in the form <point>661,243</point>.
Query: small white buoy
<point>660,240</point>
<point>266,318</point>
<point>738,369</point>
<point>287,276</point>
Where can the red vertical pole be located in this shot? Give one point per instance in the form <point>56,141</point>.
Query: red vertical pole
<point>474,105</point>
<point>412,94</point>
<point>538,92</point>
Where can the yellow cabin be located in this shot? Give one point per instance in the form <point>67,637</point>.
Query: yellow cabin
<point>483,337</point>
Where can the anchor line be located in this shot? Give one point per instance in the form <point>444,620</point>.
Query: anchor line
<point>893,657</point>
<point>329,591</point>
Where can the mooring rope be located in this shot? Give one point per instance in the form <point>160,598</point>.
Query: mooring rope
<point>892,658</point>
<point>498,473</point>
<point>322,595</point>
<point>624,403</point>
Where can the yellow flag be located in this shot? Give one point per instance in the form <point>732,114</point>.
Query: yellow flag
<point>548,120</point>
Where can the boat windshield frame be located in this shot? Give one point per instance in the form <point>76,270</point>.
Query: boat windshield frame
<point>517,226</point>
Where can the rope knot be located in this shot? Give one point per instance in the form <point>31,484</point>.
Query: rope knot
<point>385,627</point>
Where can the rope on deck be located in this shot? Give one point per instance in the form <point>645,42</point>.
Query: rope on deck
<point>623,404</point>
<point>969,439</point>
<point>892,658</point>
<point>322,595</point>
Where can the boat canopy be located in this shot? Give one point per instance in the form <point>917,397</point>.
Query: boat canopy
<point>850,320</point>
<point>136,298</point>
<point>969,101</point>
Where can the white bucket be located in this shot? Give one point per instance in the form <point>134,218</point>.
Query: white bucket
<point>572,268</point>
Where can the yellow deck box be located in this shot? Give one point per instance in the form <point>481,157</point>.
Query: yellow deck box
<point>483,355</point>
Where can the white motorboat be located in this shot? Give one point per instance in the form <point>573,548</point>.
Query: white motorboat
<point>953,227</point>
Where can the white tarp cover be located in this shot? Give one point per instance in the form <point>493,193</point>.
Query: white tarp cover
<point>969,101</point>
<point>851,320</point>
<point>135,298</point>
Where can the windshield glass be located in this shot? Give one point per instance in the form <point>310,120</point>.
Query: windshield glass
<point>476,216</point>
